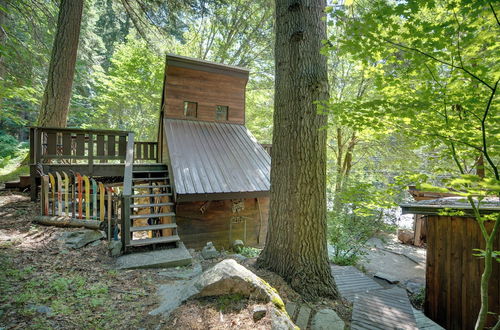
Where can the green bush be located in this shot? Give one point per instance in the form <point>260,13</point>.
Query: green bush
<point>347,234</point>
<point>358,217</point>
<point>8,145</point>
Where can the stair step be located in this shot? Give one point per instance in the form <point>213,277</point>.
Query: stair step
<point>163,258</point>
<point>154,227</point>
<point>155,240</point>
<point>151,205</point>
<point>150,171</point>
<point>151,186</point>
<point>151,195</point>
<point>157,215</point>
<point>150,179</point>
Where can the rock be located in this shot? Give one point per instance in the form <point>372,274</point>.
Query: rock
<point>115,248</point>
<point>375,242</point>
<point>406,236</point>
<point>387,277</point>
<point>291,307</point>
<point>229,277</point>
<point>238,245</point>
<point>172,295</point>
<point>226,277</point>
<point>209,251</point>
<point>280,320</point>
<point>42,309</point>
<point>327,319</point>
<point>303,317</point>
<point>414,287</point>
<point>80,238</point>
<point>184,273</point>
<point>238,257</point>
<point>258,312</point>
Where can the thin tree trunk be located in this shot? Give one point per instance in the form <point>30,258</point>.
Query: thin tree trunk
<point>296,245</point>
<point>55,102</point>
<point>3,35</point>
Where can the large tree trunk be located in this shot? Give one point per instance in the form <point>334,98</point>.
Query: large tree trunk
<point>3,36</point>
<point>55,102</point>
<point>296,245</point>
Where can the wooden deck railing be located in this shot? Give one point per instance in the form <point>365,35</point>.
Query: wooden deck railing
<point>146,151</point>
<point>72,145</point>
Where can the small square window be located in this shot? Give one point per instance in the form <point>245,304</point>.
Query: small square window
<point>221,113</point>
<point>190,109</point>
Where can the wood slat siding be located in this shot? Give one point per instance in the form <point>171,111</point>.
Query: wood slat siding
<point>208,89</point>
<point>196,229</point>
<point>453,273</point>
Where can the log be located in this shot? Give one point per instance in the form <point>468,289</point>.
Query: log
<point>66,222</point>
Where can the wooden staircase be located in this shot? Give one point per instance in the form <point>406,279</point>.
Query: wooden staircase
<point>148,216</point>
<point>152,205</point>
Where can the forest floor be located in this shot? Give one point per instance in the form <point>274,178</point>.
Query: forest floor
<point>45,285</point>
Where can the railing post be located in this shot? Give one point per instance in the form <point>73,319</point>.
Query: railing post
<point>127,190</point>
<point>125,221</point>
<point>90,153</point>
<point>32,164</point>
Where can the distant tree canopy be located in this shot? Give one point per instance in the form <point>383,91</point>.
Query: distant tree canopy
<point>236,33</point>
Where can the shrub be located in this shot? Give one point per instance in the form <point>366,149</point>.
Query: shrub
<point>347,234</point>
<point>8,145</point>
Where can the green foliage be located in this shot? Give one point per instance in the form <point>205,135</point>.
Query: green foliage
<point>418,298</point>
<point>69,296</point>
<point>129,94</point>
<point>249,252</point>
<point>360,218</point>
<point>8,145</point>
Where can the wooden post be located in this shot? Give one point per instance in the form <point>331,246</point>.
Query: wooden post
<point>87,197</point>
<point>59,194</point>
<point>66,193</point>
<point>90,153</point>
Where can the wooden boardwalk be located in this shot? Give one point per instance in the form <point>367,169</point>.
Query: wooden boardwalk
<point>376,307</point>
<point>351,281</point>
<point>383,309</point>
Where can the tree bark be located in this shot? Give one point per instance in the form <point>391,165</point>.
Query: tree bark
<point>55,102</point>
<point>296,246</point>
<point>3,36</point>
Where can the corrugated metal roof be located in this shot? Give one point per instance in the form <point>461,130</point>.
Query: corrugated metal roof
<point>215,158</point>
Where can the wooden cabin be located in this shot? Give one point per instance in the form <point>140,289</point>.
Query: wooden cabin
<point>453,273</point>
<point>205,179</point>
<point>219,173</point>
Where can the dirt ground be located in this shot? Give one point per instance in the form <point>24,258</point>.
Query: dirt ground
<point>44,285</point>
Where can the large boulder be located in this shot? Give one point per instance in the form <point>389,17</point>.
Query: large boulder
<point>229,277</point>
<point>226,277</point>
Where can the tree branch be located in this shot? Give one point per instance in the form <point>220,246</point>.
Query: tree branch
<point>403,47</point>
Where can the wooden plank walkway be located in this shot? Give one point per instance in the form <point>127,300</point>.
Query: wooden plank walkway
<point>375,307</point>
<point>425,323</point>
<point>351,281</point>
<point>383,309</point>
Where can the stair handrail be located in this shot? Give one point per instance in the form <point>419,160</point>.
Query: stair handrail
<point>127,190</point>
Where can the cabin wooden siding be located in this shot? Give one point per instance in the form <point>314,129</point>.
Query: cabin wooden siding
<point>452,297</point>
<point>208,89</point>
<point>220,225</point>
